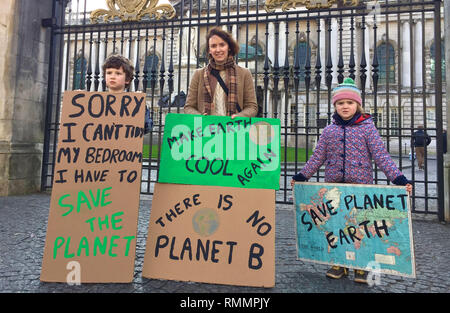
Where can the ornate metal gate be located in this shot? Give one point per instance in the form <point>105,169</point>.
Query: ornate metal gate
<point>297,51</point>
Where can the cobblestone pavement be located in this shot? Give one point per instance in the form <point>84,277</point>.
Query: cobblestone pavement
<point>23,224</point>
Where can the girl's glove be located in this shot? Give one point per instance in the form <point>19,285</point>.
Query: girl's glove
<point>402,181</point>
<point>299,177</point>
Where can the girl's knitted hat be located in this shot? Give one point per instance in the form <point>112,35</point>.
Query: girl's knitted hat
<point>347,90</point>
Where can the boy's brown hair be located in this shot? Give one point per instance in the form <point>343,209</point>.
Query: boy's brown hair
<point>232,44</point>
<point>116,61</point>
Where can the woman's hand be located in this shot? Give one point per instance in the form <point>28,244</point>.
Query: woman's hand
<point>233,116</point>
<point>292,183</point>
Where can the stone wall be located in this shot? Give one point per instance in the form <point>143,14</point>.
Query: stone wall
<point>23,87</point>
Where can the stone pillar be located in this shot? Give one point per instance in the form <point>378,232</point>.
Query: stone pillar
<point>335,49</point>
<point>23,87</point>
<point>368,59</point>
<point>418,58</point>
<point>93,52</point>
<point>101,55</point>
<point>323,53</point>
<point>406,55</point>
<point>133,61</point>
<point>271,43</point>
<point>282,44</point>
<point>64,65</point>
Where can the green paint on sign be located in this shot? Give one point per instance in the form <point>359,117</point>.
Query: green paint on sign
<point>220,151</point>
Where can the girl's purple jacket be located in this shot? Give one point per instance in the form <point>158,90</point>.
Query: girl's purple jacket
<point>347,151</point>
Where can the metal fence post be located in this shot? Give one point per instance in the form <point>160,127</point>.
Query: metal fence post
<point>446,166</point>
<point>439,116</point>
<point>48,113</point>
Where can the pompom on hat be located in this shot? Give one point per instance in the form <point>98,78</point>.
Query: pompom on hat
<point>347,90</point>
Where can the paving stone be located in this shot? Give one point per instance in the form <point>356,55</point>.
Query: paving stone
<point>23,225</point>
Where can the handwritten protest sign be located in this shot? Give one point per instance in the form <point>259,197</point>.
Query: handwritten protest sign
<point>220,151</point>
<point>211,234</point>
<point>94,205</point>
<point>356,226</point>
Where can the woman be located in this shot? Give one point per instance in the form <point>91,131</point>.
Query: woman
<point>222,87</point>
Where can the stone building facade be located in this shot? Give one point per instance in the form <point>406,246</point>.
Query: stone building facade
<point>404,44</point>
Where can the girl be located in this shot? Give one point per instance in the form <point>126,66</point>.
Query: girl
<point>347,147</point>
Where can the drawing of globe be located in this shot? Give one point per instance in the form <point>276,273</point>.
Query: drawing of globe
<point>205,222</point>
<point>261,133</point>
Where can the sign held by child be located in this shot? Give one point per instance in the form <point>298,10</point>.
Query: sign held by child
<point>95,196</point>
<point>354,225</point>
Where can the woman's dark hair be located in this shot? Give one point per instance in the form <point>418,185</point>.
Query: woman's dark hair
<point>232,44</point>
<point>116,61</point>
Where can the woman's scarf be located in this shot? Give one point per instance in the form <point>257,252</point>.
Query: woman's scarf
<point>231,82</point>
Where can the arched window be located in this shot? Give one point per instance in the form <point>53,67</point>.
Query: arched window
<point>249,52</point>
<point>80,73</point>
<point>151,64</point>
<point>433,60</point>
<point>301,52</point>
<point>394,119</point>
<point>386,61</point>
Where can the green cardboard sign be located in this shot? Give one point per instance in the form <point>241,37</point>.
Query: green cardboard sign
<point>220,151</point>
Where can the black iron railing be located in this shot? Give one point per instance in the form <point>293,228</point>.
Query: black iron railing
<point>297,57</point>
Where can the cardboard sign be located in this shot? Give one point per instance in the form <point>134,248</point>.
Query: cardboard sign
<point>220,151</point>
<point>92,223</point>
<point>356,226</point>
<point>211,234</point>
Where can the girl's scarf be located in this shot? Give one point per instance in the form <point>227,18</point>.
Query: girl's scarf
<point>231,82</point>
<point>338,119</point>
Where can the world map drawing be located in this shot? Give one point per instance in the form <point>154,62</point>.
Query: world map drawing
<point>355,226</point>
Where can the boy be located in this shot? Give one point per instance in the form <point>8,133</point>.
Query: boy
<point>118,72</point>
